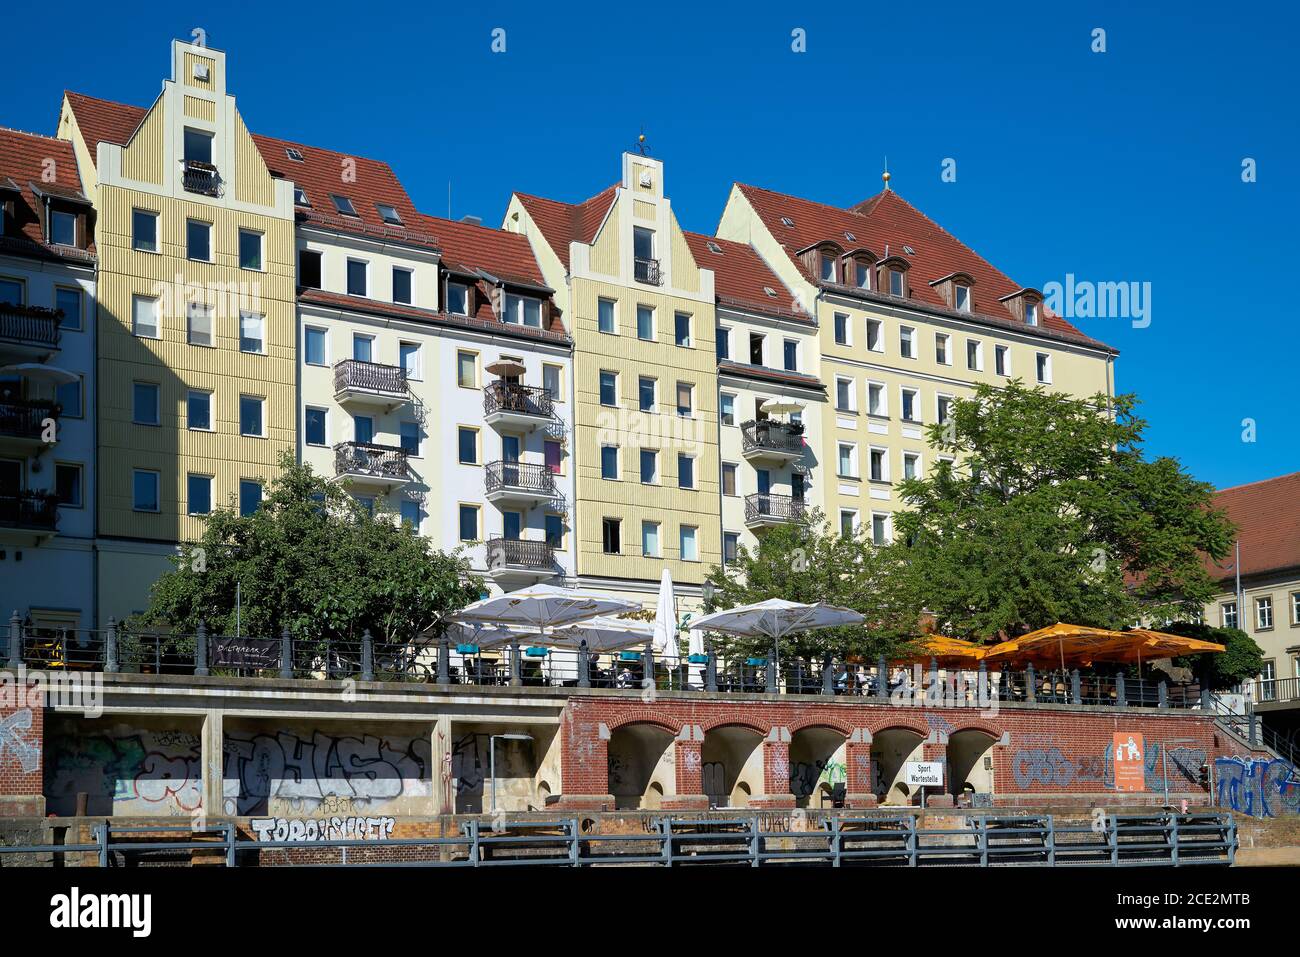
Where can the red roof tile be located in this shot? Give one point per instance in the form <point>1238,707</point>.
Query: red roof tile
<point>25,158</point>
<point>887,221</point>
<point>741,278</point>
<point>564,223</point>
<point>468,247</point>
<point>1267,516</point>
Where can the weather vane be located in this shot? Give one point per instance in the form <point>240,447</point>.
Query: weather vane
<point>640,144</point>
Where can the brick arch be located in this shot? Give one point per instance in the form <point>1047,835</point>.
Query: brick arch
<point>662,723</point>
<point>975,726</point>
<point>738,723</point>
<point>899,724</point>
<point>843,729</point>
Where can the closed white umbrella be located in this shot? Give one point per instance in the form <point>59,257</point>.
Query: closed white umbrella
<point>665,623</point>
<point>695,646</point>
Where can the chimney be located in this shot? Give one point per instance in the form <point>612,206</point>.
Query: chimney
<point>472,220</point>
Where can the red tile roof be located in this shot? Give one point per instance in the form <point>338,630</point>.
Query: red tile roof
<point>25,158</point>
<point>103,120</point>
<point>886,220</point>
<point>741,278</point>
<point>468,247</point>
<point>563,223</point>
<point>1267,516</point>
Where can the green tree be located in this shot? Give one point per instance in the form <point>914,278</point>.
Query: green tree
<point>313,559</point>
<point>809,561</point>
<point>1242,657</point>
<point>1050,514</point>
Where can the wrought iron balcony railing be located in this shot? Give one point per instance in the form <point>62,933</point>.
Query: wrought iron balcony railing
<point>369,377</point>
<point>25,418</point>
<point>502,396</point>
<point>200,177</point>
<point>519,553</point>
<point>527,476</point>
<point>366,458</point>
<point>29,325</point>
<point>647,271</point>
<point>768,436</point>
<point>34,510</point>
<point>761,507</point>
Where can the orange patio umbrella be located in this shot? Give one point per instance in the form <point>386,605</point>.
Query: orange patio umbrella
<point>1081,644</point>
<point>947,652</point>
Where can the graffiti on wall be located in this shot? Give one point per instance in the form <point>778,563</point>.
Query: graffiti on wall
<point>133,772</point>
<point>805,776</point>
<point>268,829</point>
<point>15,744</point>
<point>1041,760</point>
<point>1258,787</point>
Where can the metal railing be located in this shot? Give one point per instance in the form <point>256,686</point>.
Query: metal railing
<point>767,436</point>
<point>528,476</point>
<point>647,271</point>
<point>769,506</point>
<point>29,325</point>
<point>519,552</point>
<point>1157,839</point>
<point>501,396</point>
<point>369,377</point>
<point>38,511</point>
<point>25,418</point>
<point>200,177</point>
<point>367,458</point>
<point>1279,689</point>
<point>1248,727</point>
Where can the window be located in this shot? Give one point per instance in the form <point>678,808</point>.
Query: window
<point>409,513</point>
<point>1043,366</point>
<point>963,298</point>
<point>343,205</point>
<point>875,335</point>
<point>728,409</point>
<point>685,471</point>
<point>649,466</point>
<point>469,523</point>
<point>646,394</point>
<point>650,539</point>
<point>974,355</point>
<point>250,415</point>
<point>911,465</point>
<point>827,267</point>
<point>724,343</point>
<point>68,300</point>
<point>609,388</point>
<point>314,426</point>
<point>401,285</point>
<point>605,321</point>
<point>645,323</point>
<point>1031,313</point>
<point>363,347</point>
<point>756,349</point>
<point>250,496</point>
<point>524,311</point>
<point>198,410</point>
<point>552,453</point>
<point>848,522</point>
<point>896,286</point>
<point>10,290</point>
<point>730,547</point>
<point>309,268</point>
<point>843,394</point>
<point>467,439</point>
<point>198,240</point>
<point>862,274</point>
<point>1268,679</point>
<point>408,356</point>
<point>790,354</point>
<point>841,329</point>
<point>410,437</point>
<point>685,399</point>
<point>941,349</point>
<point>251,332</point>
<point>144,230</point>
<point>314,346</point>
<point>876,399</point>
<point>199,324</point>
<point>847,460</point>
<point>610,533</point>
<point>1264,613</point>
<point>910,399</point>
<point>69,397</point>
<point>358,273</point>
<point>198,146</point>
<point>879,465</point>
<point>467,369</point>
<point>1002,360</point>
<point>609,462</point>
<point>555,530</point>
<point>67,484</point>
<point>942,408</point>
<point>728,478</point>
<point>250,249</point>
<point>144,490</point>
<point>880,528</point>
<point>552,379</point>
<point>1228,614</point>
<point>145,408</point>
<point>388,214</point>
<point>688,549</point>
<point>643,244</point>
<point>457,299</point>
<point>144,317</point>
<point>682,329</point>
<point>198,494</point>
<point>63,228</point>
<point>300,196</point>
<point>907,342</point>
<point>1295,610</point>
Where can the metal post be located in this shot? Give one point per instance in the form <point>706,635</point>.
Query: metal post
<point>201,649</point>
<point>983,694</point>
<point>444,659</point>
<point>1253,724</point>
<point>1031,692</point>
<point>798,675</point>
<point>648,669</point>
<point>492,769</point>
<point>1076,687</point>
<point>711,672</point>
<point>1162,694</point>
<point>367,656</point>
<point>516,673</point>
<point>584,665</point>
<point>1207,702</point>
<point>15,640</point>
<point>1121,694</point>
<point>286,653</point>
<point>882,678</point>
<point>110,648</point>
<point>771,676</point>
<point>828,675</point>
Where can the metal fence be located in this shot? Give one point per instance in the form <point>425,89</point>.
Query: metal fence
<point>1154,839</point>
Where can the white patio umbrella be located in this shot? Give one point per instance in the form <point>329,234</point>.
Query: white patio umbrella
<point>542,607</point>
<point>776,618</point>
<point>39,371</point>
<point>602,635</point>
<point>665,623</point>
<point>781,406</point>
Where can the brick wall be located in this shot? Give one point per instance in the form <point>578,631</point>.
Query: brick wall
<point>22,746</point>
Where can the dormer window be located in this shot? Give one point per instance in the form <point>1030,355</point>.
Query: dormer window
<point>388,214</point>
<point>524,311</point>
<point>862,273</point>
<point>896,283</point>
<point>961,296</point>
<point>300,197</point>
<point>344,205</point>
<point>1031,312</point>
<point>63,228</point>
<point>1024,305</point>
<point>827,267</point>
<point>457,299</point>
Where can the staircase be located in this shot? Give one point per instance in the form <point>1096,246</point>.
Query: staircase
<point>1240,727</point>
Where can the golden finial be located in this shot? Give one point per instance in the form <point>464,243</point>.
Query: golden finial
<point>885,174</point>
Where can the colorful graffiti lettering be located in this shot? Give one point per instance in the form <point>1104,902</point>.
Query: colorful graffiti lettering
<point>27,754</point>
<point>1258,787</point>
<point>279,829</point>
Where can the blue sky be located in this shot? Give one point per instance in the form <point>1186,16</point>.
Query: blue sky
<point>1116,166</point>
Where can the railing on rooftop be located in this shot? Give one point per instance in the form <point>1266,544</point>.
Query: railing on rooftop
<point>29,325</point>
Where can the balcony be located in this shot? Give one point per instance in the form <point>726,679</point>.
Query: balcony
<point>369,385</point>
<point>647,271</point>
<point>765,510</point>
<point>515,406</point>
<point>28,513</point>
<point>769,441</point>
<point>22,422</point>
<point>520,483</point>
<point>518,560</point>
<point>28,332</point>
<point>369,466</point>
<point>199,177</point>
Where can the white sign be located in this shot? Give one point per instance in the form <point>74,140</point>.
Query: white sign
<point>927,774</point>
